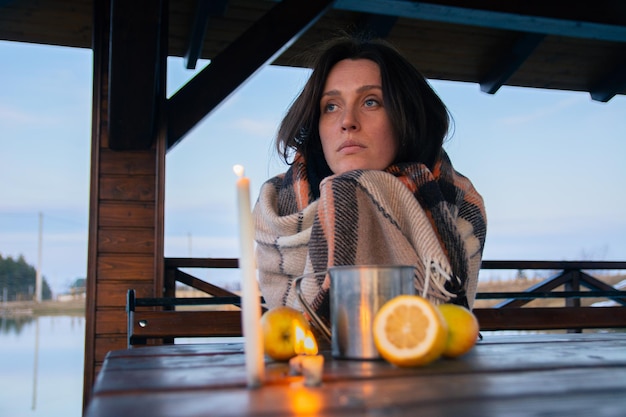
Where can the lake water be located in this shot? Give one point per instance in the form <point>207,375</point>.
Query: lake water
<point>41,366</point>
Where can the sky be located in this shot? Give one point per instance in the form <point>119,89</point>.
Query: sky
<point>550,165</point>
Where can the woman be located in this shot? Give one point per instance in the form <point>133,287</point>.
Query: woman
<point>369,182</point>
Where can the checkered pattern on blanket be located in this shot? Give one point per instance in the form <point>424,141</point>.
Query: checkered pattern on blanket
<point>404,215</point>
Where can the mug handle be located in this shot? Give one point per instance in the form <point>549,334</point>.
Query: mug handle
<point>316,320</point>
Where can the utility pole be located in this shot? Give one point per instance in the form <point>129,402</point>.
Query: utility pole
<point>39,252</point>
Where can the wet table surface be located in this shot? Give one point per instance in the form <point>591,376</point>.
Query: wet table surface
<point>521,375</point>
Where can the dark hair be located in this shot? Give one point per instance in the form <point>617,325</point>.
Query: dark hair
<point>419,118</point>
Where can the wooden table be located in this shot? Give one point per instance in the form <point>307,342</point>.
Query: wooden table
<point>523,375</point>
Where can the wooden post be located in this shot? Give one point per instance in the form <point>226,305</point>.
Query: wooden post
<point>127,200</point>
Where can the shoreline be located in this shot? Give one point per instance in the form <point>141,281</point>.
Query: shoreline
<point>44,308</point>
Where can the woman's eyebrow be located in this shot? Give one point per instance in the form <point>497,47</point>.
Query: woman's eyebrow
<point>369,87</point>
<point>331,93</point>
<point>361,89</point>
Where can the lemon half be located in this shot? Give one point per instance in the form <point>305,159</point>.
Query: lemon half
<point>410,331</point>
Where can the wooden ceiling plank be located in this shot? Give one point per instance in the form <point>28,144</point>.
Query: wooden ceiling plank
<point>204,10</point>
<point>612,84</point>
<point>377,24</point>
<point>487,18</point>
<point>264,40</point>
<point>506,66</point>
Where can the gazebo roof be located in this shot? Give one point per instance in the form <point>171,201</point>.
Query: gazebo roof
<point>576,45</point>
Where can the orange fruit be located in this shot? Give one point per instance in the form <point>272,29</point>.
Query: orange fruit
<point>279,331</point>
<point>462,329</point>
<point>409,331</point>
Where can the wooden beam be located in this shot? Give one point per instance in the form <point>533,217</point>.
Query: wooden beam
<point>550,318</point>
<point>607,24</point>
<point>171,263</point>
<point>508,64</point>
<point>204,10</point>
<point>610,292</point>
<point>547,285</point>
<point>144,325</point>
<point>611,84</point>
<point>133,67</point>
<point>564,265</point>
<point>595,284</point>
<point>263,41</point>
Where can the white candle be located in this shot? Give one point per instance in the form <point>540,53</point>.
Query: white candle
<point>312,370</point>
<point>250,295</point>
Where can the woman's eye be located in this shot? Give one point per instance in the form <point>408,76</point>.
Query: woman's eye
<point>371,102</point>
<point>330,107</point>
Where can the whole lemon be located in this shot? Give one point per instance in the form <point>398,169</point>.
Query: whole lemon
<point>279,331</point>
<point>463,329</point>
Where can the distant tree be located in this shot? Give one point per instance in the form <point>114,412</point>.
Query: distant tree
<point>79,283</point>
<point>78,286</point>
<point>19,279</point>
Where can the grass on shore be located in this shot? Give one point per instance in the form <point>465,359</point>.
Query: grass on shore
<point>44,308</point>
<point>522,284</point>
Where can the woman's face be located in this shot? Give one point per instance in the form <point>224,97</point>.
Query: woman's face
<point>354,127</point>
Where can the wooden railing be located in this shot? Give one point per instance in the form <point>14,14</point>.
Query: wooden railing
<point>571,276</point>
<point>158,319</point>
<point>506,315</point>
<point>173,274</point>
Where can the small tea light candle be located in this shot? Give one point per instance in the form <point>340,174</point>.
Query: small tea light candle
<point>312,370</point>
<point>307,363</point>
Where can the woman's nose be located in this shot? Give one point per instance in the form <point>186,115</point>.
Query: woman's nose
<point>350,120</point>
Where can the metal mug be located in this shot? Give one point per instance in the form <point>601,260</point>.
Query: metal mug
<point>356,295</point>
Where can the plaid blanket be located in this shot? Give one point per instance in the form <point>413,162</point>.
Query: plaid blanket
<point>405,215</point>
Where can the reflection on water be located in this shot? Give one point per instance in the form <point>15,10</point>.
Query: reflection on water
<point>41,366</point>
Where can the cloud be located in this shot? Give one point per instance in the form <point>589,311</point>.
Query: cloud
<point>541,113</point>
<point>202,246</point>
<point>14,117</point>
<point>261,128</point>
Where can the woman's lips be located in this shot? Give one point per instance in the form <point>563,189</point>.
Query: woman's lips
<point>350,146</point>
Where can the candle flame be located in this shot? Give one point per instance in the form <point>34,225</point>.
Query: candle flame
<point>300,335</point>
<point>310,345</point>
<point>305,341</point>
<point>238,170</point>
